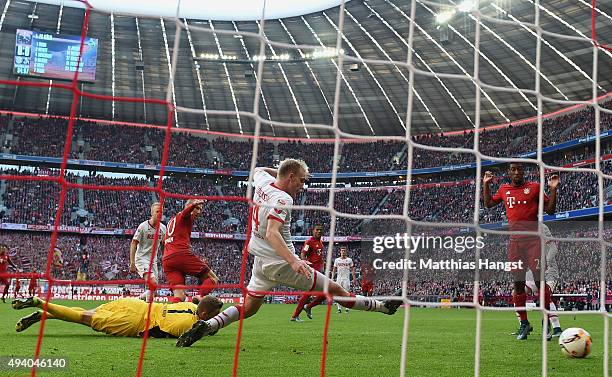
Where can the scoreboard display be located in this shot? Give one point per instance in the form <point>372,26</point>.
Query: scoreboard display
<point>54,56</point>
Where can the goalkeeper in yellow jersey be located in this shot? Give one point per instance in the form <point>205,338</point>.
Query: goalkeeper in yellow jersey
<point>126,316</point>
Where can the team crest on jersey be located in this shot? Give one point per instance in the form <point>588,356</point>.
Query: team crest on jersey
<point>526,190</point>
<point>507,192</point>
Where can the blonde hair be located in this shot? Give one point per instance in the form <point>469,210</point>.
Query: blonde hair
<point>291,165</point>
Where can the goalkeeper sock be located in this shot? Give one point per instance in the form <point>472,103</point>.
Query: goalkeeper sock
<point>223,319</point>
<point>63,312</point>
<point>364,303</point>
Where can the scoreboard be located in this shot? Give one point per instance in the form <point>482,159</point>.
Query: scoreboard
<point>54,56</point>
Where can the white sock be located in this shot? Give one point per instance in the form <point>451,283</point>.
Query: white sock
<point>365,303</point>
<point>229,315</point>
<point>339,306</point>
<point>554,319</point>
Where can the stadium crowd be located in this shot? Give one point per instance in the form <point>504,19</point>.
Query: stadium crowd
<point>144,145</point>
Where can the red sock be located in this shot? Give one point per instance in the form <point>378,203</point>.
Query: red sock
<point>206,287</point>
<point>318,300</point>
<point>175,299</point>
<point>520,300</point>
<point>300,305</point>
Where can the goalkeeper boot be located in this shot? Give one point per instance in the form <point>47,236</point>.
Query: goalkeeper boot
<point>197,331</point>
<point>524,330</point>
<point>394,304</point>
<point>28,321</point>
<point>308,312</point>
<point>296,319</point>
<point>22,303</point>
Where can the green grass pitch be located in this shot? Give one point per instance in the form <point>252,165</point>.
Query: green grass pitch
<point>441,343</point>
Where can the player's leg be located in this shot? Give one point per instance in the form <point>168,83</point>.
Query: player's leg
<point>300,306</point>
<point>282,273</point>
<point>56,311</point>
<point>554,322</point>
<point>149,292</point>
<point>25,322</point>
<point>208,281</point>
<point>317,301</point>
<point>194,266</point>
<point>176,279</point>
<point>6,288</point>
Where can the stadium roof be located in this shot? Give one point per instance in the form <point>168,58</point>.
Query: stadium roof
<point>228,10</point>
<point>217,71</point>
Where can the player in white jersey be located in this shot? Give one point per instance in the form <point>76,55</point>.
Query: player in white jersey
<point>551,277</point>
<point>343,267</point>
<point>142,246</point>
<point>275,260</point>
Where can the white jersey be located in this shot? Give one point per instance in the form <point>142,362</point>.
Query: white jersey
<point>145,235</point>
<point>266,193</point>
<point>343,268</point>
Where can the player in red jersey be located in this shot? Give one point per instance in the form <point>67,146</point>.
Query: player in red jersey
<point>521,200</point>
<point>33,284</point>
<point>17,288</point>
<point>5,262</point>
<point>312,251</point>
<point>178,260</point>
<point>367,280</point>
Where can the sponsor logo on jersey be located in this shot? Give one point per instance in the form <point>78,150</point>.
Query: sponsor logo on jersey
<point>526,190</point>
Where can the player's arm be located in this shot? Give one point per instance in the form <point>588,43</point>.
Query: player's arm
<point>489,200</point>
<point>551,204</point>
<point>304,251</point>
<point>334,270</point>
<point>274,237</point>
<point>133,247</point>
<point>354,274</point>
<point>187,210</point>
<point>270,171</point>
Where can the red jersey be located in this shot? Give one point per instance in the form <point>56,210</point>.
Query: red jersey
<point>367,275</point>
<point>521,204</point>
<point>32,285</point>
<point>4,262</point>
<point>178,234</point>
<point>313,250</point>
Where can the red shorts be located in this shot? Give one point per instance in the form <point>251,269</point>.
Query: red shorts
<point>526,250</point>
<point>178,266</point>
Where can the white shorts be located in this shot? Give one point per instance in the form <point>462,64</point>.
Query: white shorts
<point>344,283</point>
<point>267,274</point>
<point>142,267</point>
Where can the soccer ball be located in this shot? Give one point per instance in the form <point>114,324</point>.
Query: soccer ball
<point>575,342</point>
